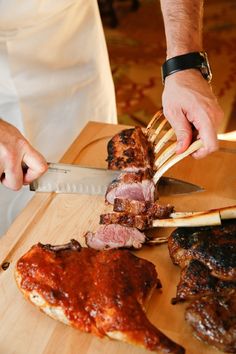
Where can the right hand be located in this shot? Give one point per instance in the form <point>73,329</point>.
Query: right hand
<point>16,151</point>
<point>188,100</point>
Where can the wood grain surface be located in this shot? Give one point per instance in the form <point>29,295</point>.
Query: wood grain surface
<point>56,218</point>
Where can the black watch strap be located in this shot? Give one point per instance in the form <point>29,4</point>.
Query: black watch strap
<point>193,60</point>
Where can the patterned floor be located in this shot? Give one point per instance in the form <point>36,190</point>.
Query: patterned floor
<point>137,50</point>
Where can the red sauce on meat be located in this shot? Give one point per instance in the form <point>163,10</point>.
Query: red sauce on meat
<point>98,290</point>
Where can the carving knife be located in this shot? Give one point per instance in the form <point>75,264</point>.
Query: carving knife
<point>66,178</point>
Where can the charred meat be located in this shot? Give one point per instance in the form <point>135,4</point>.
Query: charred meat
<point>141,222</point>
<point>115,236</point>
<point>208,280</point>
<point>196,281</point>
<point>130,150</point>
<point>132,185</point>
<point>213,246</point>
<point>102,292</point>
<point>136,207</point>
<point>213,320</point>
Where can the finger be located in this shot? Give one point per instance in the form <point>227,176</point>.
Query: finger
<point>208,135</point>
<point>203,152</point>
<point>36,164</point>
<point>12,176</point>
<point>182,128</point>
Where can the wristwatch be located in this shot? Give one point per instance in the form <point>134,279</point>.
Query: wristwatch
<point>193,60</point>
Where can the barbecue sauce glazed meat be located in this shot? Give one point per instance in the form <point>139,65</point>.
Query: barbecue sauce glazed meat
<point>99,291</point>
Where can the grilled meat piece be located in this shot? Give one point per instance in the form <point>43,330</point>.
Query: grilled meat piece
<point>130,149</point>
<point>141,222</point>
<point>213,246</point>
<point>196,281</point>
<point>132,185</point>
<point>136,207</point>
<point>114,236</point>
<point>102,292</point>
<point>213,320</point>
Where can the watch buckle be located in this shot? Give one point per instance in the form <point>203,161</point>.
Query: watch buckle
<point>205,68</point>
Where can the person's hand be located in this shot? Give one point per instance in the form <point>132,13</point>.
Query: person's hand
<point>188,99</point>
<point>15,151</point>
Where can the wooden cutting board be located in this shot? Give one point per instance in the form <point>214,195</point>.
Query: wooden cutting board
<point>55,219</point>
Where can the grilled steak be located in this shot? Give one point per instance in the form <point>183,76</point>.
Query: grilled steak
<point>102,292</point>
<point>213,246</point>
<point>213,320</point>
<point>141,222</point>
<point>196,281</point>
<point>130,149</point>
<point>132,185</point>
<point>136,207</point>
<point>114,236</point>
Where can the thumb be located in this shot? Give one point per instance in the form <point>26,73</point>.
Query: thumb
<point>184,138</point>
<point>36,163</point>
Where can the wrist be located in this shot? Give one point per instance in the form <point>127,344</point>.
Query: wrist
<point>186,77</point>
<point>173,52</point>
<point>193,60</point>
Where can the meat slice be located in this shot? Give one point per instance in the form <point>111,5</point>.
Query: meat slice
<point>137,185</point>
<point>213,320</point>
<point>103,292</point>
<point>114,236</point>
<point>196,281</point>
<point>136,207</point>
<point>213,246</point>
<point>141,222</point>
<point>130,149</point>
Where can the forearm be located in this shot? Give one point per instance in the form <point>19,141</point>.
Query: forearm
<point>183,26</point>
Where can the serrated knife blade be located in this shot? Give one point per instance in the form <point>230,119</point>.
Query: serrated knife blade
<point>66,178</point>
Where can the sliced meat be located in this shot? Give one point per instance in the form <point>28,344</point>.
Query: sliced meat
<point>132,185</point>
<point>213,246</point>
<point>136,207</point>
<point>196,281</point>
<point>213,321</point>
<point>101,292</point>
<point>114,236</point>
<point>130,149</point>
<point>141,222</point>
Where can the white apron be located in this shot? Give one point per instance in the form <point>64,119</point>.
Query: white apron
<point>54,78</point>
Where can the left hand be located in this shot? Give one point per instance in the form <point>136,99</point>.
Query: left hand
<point>188,99</point>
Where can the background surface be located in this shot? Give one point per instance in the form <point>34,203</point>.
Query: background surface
<point>137,50</point>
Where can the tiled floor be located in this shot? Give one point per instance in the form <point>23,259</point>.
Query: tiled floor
<point>137,50</point>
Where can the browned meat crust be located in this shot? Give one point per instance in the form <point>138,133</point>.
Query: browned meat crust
<point>214,321</point>
<point>152,209</point>
<point>141,222</point>
<point>129,149</point>
<point>102,292</point>
<point>214,246</point>
<point>196,281</point>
